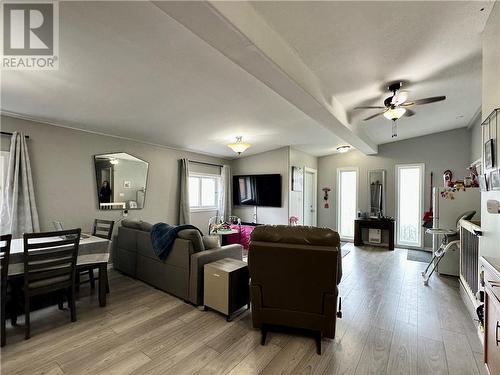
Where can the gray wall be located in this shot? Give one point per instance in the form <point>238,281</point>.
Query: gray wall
<point>63,171</point>
<point>490,223</point>
<point>476,142</point>
<point>275,161</point>
<point>441,151</point>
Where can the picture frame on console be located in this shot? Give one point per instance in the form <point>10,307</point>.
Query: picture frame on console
<point>489,154</point>
<point>483,182</point>
<point>495,180</point>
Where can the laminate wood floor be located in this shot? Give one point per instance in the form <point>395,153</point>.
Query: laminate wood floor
<point>392,324</point>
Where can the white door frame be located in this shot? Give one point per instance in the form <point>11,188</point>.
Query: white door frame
<point>314,172</point>
<point>422,190</point>
<point>356,169</point>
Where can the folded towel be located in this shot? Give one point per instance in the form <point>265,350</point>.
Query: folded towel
<point>163,237</point>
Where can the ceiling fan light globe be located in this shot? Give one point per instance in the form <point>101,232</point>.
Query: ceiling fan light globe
<point>394,113</point>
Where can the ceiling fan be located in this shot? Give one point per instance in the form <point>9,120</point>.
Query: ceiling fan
<point>397,105</point>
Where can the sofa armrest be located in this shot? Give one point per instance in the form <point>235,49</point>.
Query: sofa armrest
<point>198,261</point>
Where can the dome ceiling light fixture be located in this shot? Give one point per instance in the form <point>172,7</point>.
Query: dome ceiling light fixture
<point>343,149</point>
<point>239,146</point>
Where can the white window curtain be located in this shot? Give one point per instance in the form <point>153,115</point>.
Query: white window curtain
<point>18,213</point>
<point>184,209</point>
<point>224,202</point>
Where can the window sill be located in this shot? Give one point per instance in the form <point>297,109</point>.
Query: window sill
<point>203,209</point>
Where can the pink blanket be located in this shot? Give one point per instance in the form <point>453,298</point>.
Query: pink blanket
<point>243,237</point>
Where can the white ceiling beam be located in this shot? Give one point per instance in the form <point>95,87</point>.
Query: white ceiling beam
<point>237,31</point>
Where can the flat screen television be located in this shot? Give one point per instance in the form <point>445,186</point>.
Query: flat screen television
<point>257,190</point>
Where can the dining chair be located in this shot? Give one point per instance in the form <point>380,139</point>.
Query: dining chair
<point>102,229</point>
<point>50,266</point>
<point>5,241</point>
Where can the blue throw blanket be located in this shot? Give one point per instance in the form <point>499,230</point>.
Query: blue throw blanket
<point>164,235</point>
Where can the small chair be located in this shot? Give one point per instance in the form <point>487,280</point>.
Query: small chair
<point>102,229</point>
<point>50,266</point>
<point>4,264</point>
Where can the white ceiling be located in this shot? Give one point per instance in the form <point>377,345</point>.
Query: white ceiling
<point>355,48</point>
<point>128,69</point>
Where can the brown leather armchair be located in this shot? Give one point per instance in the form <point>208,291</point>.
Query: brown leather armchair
<point>294,274</point>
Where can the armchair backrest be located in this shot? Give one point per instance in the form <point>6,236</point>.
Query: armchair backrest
<point>295,267</point>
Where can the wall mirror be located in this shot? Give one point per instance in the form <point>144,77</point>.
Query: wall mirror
<point>376,189</point>
<point>121,181</point>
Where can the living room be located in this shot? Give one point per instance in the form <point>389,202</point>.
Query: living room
<point>276,147</point>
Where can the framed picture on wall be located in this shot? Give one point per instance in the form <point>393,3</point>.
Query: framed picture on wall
<point>297,178</point>
<point>495,180</point>
<point>483,182</point>
<point>489,154</point>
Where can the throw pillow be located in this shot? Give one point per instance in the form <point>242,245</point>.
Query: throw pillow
<point>194,236</point>
<point>211,242</point>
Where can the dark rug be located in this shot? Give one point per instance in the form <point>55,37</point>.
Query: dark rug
<point>419,256</point>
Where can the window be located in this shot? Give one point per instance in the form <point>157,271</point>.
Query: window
<point>409,188</point>
<point>347,201</point>
<point>203,191</point>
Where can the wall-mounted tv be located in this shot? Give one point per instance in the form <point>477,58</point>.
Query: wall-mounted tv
<point>257,190</point>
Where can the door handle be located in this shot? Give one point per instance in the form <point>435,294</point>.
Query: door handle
<point>496,333</point>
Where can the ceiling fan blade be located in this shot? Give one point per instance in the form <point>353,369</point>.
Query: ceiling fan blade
<point>423,101</point>
<point>409,113</point>
<point>373,116</point>
<point>373,107</point>
<point>399,98</point>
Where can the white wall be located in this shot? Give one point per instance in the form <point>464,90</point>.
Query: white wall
<point>296,198</point>
<point>441,151</point>
<point>490,224</point>
<point>63,171</point>
<point>275,161</point>
<point>476,142</point>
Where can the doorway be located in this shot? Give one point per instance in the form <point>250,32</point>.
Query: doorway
<point>310,196</point>
<point>409,201</point>
<point>347,201</point>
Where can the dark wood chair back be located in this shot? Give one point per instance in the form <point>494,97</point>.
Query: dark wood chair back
<point>5,241</point>
<point>50,260</point>
<point>103,228</point>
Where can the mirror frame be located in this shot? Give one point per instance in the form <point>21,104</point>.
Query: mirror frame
<point>96,189</point>
<point>384,194</point>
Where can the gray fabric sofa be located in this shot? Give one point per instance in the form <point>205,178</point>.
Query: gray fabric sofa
<point>181,274</point>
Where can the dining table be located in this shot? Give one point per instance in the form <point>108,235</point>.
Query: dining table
<point>92,251</point>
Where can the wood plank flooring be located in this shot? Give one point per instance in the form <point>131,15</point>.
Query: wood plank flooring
<point>392,324</point>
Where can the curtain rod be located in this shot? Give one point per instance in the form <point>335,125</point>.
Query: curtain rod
<point>205,163</point>
<point>10,134</point>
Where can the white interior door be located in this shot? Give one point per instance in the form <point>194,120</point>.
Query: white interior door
<point>310,194</point>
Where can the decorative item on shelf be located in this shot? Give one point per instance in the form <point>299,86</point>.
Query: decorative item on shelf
<point>473,176</point>
<point>297,178</point>
<point>483,182</point>
<point>447,178</point>
<point>239,146</point>
<point>326,190</point>
<point>217,227</point>
<point>293,220</point>
<point>489,154</point>
<point>459,185</point>
<point>495,179</point>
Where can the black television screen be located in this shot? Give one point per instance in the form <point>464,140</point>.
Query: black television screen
<point>257,190</point>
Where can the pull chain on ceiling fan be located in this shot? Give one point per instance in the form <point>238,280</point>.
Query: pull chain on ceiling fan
<point>397,106</point>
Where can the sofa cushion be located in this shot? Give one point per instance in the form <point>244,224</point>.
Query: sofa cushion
<point>133,224</point>
<point>194,236</point>
<point>300,235</point>
<point>211,242</point>
<point>145,226</point>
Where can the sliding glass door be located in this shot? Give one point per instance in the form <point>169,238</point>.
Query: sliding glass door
<point>347,201</point>
<point>409,201</point>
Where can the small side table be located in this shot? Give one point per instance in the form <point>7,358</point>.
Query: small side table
<point>226,286</point>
